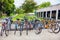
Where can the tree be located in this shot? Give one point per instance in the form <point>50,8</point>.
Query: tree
<point>29,6</point>
<point>45,4</point>
<point>19,11</point>
<point>7,6</point>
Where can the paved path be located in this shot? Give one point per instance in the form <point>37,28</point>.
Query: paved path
<point>44,35</point>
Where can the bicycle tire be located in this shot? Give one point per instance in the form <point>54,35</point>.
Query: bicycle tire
<point>38,31</point>
<point>55,28</point>
<point>50,29</point>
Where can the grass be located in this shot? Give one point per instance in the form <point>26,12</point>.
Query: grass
<point>3,17</point>
<point>21,16</point>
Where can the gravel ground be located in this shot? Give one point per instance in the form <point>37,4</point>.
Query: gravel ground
<point>44,35</point>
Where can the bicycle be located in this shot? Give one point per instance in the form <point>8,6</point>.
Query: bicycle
<point>51,25</point>
<point>38,27</point>
<point>0,29</point>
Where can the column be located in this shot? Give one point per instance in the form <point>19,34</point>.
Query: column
<point>42,14</point>
<point>56,14</point>
<point>50,14</point>
<point>37,14</point>
<point>46,14</point>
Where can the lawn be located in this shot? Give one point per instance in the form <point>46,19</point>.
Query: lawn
<point>21,16</point>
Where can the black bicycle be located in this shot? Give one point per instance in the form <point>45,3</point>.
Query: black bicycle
<point>38,27</point>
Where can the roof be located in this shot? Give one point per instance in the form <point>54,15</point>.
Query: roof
<point>52,7</point>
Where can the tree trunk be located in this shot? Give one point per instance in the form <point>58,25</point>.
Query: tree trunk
<point>0,14</point>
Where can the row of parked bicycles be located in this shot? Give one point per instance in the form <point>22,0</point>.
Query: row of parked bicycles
<point>47,23</point>
<point>51,24</point>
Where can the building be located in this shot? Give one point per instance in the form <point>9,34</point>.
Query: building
<point>30,14</point>
<point>50,12</point>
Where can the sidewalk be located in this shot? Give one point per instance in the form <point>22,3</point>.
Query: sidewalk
<point>44,35</point>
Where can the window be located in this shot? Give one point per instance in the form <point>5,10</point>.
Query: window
<point>38,14</point>
<point>48,14</point>
<point>44,14</point>
<point>41,14</point>
<point>54,14</point>
<point>58,14</point>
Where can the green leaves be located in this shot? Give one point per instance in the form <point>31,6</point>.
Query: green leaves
<point>7,6</point>
<point>45,4</point>
<point>19,11</point>
<point>28,6</point>
<point>11,1</point>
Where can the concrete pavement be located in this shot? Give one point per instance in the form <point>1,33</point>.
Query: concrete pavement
<point>44,35</point>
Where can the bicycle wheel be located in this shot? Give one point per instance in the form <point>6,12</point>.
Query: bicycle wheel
<point>50,29</point>
<point>1,31</point>
<point>38,30</point>
<point>55,28</point>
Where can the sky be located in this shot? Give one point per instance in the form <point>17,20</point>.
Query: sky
<point>18,3</point>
